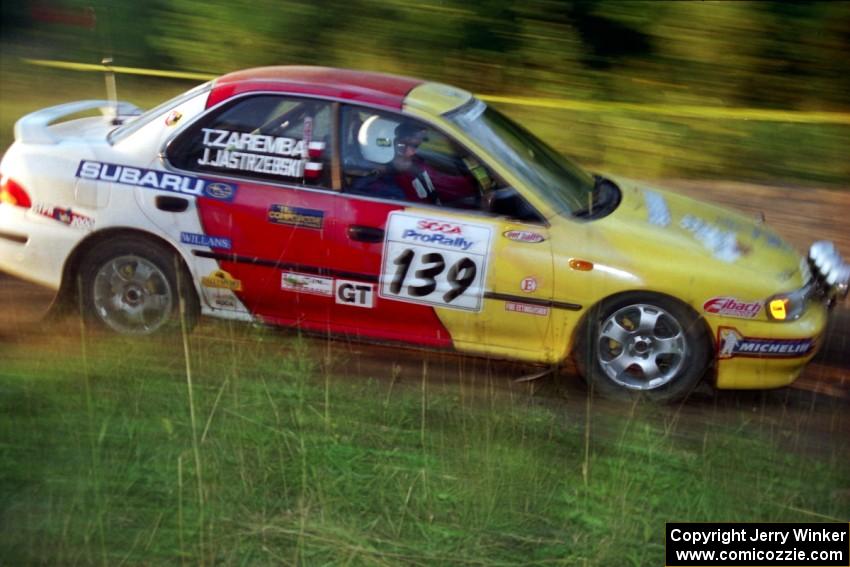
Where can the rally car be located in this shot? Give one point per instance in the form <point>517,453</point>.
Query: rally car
<point>397,210</point>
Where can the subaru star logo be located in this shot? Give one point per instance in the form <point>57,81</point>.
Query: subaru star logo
<point>220,190</point>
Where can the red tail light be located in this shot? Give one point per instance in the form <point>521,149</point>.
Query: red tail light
<point>13,194</point>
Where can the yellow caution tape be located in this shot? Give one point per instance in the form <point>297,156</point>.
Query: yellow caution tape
<point>676,110</point>
<point>125,70</point>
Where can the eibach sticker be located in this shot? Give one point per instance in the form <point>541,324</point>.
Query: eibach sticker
<point>732,307</point>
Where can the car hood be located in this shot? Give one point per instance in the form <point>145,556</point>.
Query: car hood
<point>679,229</point>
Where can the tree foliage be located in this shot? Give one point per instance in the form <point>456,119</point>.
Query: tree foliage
<point>777,54</point>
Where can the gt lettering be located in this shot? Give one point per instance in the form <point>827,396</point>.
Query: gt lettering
<point>355,293</point>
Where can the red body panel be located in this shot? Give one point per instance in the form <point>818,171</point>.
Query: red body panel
<point>392,320</point>
<point>264,250</point>
<point>275,247</point>
<point>368,88</point>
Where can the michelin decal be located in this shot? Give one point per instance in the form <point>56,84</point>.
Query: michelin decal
<point>730,344</point>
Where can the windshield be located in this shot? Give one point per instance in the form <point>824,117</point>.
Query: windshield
<point>561,182</point>
<point>132,125</point>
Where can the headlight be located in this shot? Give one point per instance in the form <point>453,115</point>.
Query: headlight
<point>788,306</point>
<point>839,280</point>
<point>832,274</point>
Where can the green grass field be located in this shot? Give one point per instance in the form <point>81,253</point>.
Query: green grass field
<point>238,447</point>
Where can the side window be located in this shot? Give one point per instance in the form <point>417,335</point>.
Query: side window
<point>393,157</point>
<point>264,137</point>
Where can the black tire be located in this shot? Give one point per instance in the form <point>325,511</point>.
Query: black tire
<point>662,356</point>
<point>132,286</point>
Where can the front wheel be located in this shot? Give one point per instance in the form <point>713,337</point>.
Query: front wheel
<point>643,345</point>
<point>133,287</point>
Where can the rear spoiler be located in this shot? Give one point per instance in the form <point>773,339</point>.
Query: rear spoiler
<point>33,128</point>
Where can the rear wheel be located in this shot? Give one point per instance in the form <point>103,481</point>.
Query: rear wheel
<point>133,287</point>
<point>643,345</point>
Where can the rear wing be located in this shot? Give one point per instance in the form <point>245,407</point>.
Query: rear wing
<point>33,128</point>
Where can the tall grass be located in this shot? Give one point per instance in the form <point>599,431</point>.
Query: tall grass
<point>100,462</point>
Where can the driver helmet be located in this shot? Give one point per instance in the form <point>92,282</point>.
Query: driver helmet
<point>376,138</point>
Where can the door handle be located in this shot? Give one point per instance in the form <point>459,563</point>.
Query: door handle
<point>365,233</point>
<point>171,204</point>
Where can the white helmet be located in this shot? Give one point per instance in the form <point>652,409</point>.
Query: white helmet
<point>376,138</point>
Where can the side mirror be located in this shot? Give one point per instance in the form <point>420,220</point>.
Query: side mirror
<point>507,202</point>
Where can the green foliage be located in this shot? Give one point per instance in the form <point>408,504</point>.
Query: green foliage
<point>785,55</point>
<point>777,54</point>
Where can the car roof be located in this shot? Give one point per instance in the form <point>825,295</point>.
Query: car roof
<point>361,86</point>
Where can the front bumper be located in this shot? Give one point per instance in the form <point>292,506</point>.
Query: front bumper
<point>765,354</point>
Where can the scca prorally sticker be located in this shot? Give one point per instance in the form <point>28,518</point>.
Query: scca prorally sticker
<point>65,216</point>
<point>730,344</point>
<point>731,307</point>
<point>305,283</point>
<point>205,240</point>
<point>525,236</point>
<point>355,293</point>
<point>153,179</point>
<point>260,153</point>
<point>438,262</point>
<point>296,216</point>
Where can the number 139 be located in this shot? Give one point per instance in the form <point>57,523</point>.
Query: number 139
<point>459,276</point>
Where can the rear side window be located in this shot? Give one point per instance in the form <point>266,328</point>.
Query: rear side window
<point>264,137</point>
<point>389,156</point>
